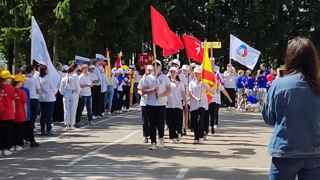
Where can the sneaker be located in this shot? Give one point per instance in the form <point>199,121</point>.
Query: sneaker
<point>66,128</point>
<point>173,141</point>
<point>34,144</point>
<point>43,134</point>
<point>153,146</point>
<point>196,141</point>
<point>35,130</point>
<point>120,111</point>
<point>77,125</point>
<point>94,117</point>
<point>6,152</point>
<point>98,117</point>
<point>205,137</point>
<point>161,143</point>
<point>127,110</point>
<point>16,148</point>
<point>72,128</point>
<point>92,123</point>
<point>215,128</point>
<point>179,137</point>
<point>212,130</point>
<point>184,132</point>
<point>256,110</point>
<point>109,113</point>
<point>50,134</point>
<point>201,141</point>
<point>146,140</point>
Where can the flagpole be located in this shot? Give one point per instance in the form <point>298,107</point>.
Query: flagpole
<point>155,64</point>
<point>211,51</point>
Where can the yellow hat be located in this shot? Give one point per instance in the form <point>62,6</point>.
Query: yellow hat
<point>20,77</point>
<point>5,74</point>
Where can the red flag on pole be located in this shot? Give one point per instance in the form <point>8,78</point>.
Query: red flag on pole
<point>118,64</point>
<point>193,48</point>
<point>163,36</point>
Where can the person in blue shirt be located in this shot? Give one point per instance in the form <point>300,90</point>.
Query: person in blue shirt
<point>240,87</point>
<point>263,67</point>
<point>250,102</point>
<point>262,87</point>
<point>249,85</point>
<point>292,106</point>
<point>28,127</point>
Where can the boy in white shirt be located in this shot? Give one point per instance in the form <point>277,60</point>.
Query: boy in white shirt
<point>158,87</point>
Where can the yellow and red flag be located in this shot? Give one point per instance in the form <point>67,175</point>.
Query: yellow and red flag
<point>107,67</point>
<point>207,73</point>
<point>118,64</point>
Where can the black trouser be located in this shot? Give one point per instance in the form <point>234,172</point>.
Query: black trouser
<point>17,134</point>
<point>215,115</point>
<point>156,115</point>
<point>5,134</point>
<point>58,109</point>
<point>34,109</point>
<point>103,106</point>
<point>126,92</point>
<point>115,101</point>
<point>96,100</point>
<point>120,101</point>
<point>28,131</point>
<point>145,122</point>
<point>174,119</point>
<point>197,117</point>
<point>209,115</point>
<point>232,94</point>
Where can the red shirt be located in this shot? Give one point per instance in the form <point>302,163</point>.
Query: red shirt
<point>7,95</point>
<point>21,100</point>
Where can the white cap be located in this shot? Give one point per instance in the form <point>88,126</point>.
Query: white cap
<point>173,69</point>
<point>119,71</point>
<point>126,72</point>
<point>100,68</point>
<point>149,67</point>
<point>186,67</point>
<point>212,59</point>
<point>65,67</point>
<point>113,71</point>
<point>193,64</point>
<point>157,61</point>
<point>92,67</point>
<point>197,70</point>
<point>175,61</point>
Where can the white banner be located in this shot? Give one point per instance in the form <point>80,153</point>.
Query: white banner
<point>81,60</point>
<point>242,53</point>
<point>39,53</point>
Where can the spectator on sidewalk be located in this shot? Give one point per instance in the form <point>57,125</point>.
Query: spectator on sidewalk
<point>292,107</point>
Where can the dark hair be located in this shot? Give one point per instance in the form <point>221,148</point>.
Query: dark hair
<point>177,77</point>
<point>94,62</point>
<point>70,69</point>
<point>42,71</point>
<point>264,65</point>
<point>29,69</point>
<point>261,72</point>
<point>244,94</point>
<point>301,57</point>
<point>14,83</point>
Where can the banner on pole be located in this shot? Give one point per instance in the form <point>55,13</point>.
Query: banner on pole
<point>145,59</point>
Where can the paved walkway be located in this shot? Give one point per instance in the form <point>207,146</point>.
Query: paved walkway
<point>114,149</point>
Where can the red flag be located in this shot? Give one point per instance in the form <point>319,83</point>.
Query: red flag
<point>193,48</point>
<point>163,36</point>
<point>118,64</point>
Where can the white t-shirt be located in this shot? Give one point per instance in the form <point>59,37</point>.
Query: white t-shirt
<point>104,82</point>
<point>85,80</point>
<point>69,83</point>
<point>47,92</point>
<point>150,82</point>
<point>97,74</point>
<point>174,99</point>
<point>32,84</point>
<point>144,98</point>
<point>217,97</point>
<point>195,88</point>
<point>230,81</point>
<point>119,86</point>
<point>136,76</point>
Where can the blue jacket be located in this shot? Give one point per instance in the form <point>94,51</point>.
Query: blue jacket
<point>294,111</point>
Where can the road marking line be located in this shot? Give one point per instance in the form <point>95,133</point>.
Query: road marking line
<point>101,148</point>
<point>182,173</point>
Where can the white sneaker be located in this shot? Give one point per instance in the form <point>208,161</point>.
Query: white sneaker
<point>94,117</point>
<point>6,152</point>
<point>215,128</point>
<point>196,141</point>
<point>127,110</point>
<point>179,137</point>
<point>35,130</point>
<point>66,128</point>
<point>256,110</point>
<point>173,141</point>
<point>98,117</point>
<point>72,128</point>
<point>16,148</point>
<point>153,146</point>
<point>161,143</point>
<point>120,111</point>
<point>92,123</point>
<point>201,141</point>
<point>109,113</point>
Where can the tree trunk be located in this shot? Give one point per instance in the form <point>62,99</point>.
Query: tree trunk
<point>55,48</point>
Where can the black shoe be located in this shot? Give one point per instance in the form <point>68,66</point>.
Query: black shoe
<point>212,130</point>
<point>50,134</point>
<point>34,144</point>
<point>43,134</point>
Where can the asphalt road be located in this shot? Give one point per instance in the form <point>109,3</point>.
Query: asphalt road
<point>114,149</point>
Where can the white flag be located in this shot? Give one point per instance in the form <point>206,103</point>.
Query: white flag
<point>101,58</point>
<point>39,53</point>
<point>244,54</point>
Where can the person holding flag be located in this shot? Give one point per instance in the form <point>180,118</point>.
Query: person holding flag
<point>157,87</point>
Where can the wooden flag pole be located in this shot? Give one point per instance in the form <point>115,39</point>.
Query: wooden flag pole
<point>211,51</point>
<point>155,64</point>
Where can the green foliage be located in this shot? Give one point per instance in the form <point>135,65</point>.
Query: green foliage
<point>86,27</point>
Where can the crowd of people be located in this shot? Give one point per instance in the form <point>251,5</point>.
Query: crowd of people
<point>177,99</point>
